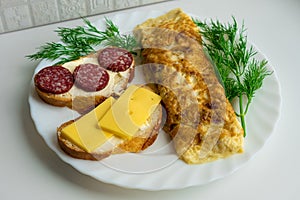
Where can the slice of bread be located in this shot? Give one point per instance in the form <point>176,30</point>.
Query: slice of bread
<point>81,100</point>
<point>145,137</point>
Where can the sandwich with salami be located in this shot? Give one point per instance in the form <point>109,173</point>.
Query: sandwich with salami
<point>84,83</point>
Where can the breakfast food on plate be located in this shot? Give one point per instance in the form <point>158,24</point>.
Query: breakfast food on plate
<point>127,124</point>
<point>200,119</point>
<point>81,84</point>
<point>116,119</point>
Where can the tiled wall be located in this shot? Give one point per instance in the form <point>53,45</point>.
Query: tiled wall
<point>20,14</point>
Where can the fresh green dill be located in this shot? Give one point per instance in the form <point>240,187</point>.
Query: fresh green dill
<point>241,73</point>
<point>82,40</point>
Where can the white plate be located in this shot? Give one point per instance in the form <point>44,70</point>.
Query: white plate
<point>158,168</point>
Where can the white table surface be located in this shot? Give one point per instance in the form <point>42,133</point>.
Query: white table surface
<point>30,170</point>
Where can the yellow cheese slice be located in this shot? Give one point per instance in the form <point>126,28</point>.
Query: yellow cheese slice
<point>85,132</point>
<point>130,111</point>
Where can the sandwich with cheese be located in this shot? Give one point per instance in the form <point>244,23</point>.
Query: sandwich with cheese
<point>128,124</point>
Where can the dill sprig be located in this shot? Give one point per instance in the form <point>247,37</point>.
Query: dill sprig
<point>82,40</point>
<point>241,73</point>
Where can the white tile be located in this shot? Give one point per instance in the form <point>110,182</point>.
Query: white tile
<point>19,14</point>
<point>9,3</point>
<point>69,9</point>
<point>44,12</point>
<point>119,4</point>
<point>17,17</point>
<point>99,6</point>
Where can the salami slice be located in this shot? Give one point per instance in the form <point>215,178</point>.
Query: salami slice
<point>115,59</point>
<point>90,77</point>
<point>54,79</point>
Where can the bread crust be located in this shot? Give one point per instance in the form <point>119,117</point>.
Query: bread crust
<point>81,104</point>
<point>142,140</point>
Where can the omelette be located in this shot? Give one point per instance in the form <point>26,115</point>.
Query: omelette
<point>200,119</point>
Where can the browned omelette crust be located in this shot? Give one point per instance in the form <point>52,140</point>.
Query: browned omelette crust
<point>200,119</point>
